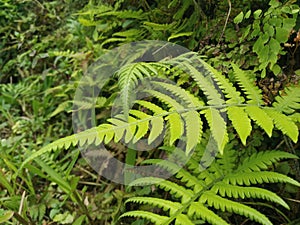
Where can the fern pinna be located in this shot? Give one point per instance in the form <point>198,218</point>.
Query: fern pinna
<point>224,187</point>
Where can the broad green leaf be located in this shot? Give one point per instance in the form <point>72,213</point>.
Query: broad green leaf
<point>257,13</point>
<point>239,18</point>
<point>247,15</point>
<point>282,34</point>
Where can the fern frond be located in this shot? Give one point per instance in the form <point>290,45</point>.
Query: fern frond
<point>247,84</point>
<point>227,190</point>
<point>230,206</point>
<point>211,189</point>
<point>284,123</point>
<point>289,102</point>
<point>154,218</point>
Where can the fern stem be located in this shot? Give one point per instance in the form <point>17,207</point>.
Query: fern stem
<point>187,204</point>
<point>226,21</point>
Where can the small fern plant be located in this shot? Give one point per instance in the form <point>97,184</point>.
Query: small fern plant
<point>181,115</point>
<point>226,186</point>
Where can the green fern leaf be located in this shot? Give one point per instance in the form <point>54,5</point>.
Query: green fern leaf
<point>217,126</point>
<point>253,93</point>
<point>184,176</point>
<point>295,117</point>
<point>261,118</point>
<point>172,103</point>
<point>154,218</point>
<point>149,105</point>
<point>248,178</point>
<point>143,125</point>
<point>58,144</point>
<point>289,102</point>
<point>284,123</point>
<point>176,190</point>
<point>128,77</point>
<point>204,82</point>
<point>190,101</point>
<point>213,96</point>
<point>230,206</point>
<point>183,219</point>
<point>121,126</point>
<point>156,26</point>
<point>227,190</point>
<point>101,132</point>
<point>175,127</point>
<point>157,124</point>
<point>201,211</point>
<point>132,127</point>
<point>240,122</point>
<point>166,205</point>
<point>193,128</point>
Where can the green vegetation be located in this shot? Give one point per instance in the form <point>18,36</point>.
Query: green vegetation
<point>243,65</point>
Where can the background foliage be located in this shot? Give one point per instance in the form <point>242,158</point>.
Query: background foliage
<point>46,47</point>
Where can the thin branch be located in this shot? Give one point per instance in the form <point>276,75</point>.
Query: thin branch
<point>226,21</point>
